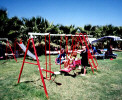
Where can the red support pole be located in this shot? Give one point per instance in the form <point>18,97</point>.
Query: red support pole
<point>24,60</point>
<point>6,50</point>
<point>66,45</point>
<point>47,71</point>
<point>31,63</point>
<point>89,54</point>
<point>49,57</point>
<point>88,40</point>
<point>75,42</point>
<point>45,56</point>
<point>12,51</point>
<point>60,51</point>
<point>39,68</point>
<point>72,43</point>
<point>80,39</point>
<point>20,41</point>
<point>95,66</point>
<point>78,42</point>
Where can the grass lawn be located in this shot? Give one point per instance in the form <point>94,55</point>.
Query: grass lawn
<point>104,84</point>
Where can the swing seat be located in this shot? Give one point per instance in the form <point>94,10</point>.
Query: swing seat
<point>66,70</point>
<point>72,66</point>
<point>77,62</point>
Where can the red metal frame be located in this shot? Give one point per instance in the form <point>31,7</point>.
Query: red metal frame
<point>45,56</point>
<point>66,45</point>
<point>39,67</point>
<point>78,40</point>
<point>89,55</point>
<point>60,51</point>
<point>92,52</point>
<point>10,50</point>
<point>49,58</point>
<point>77,43</point>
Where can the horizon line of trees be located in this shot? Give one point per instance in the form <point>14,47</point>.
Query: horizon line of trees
<point>15,27</point>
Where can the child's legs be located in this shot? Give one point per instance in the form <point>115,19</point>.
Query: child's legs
<point>84,69</point>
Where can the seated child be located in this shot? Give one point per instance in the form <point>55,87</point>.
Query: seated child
<point>61,57</point>
<point>109,53</point>
<point>70,59</point>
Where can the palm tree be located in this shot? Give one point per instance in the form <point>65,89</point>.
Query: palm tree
<point>14,27</point>
<point>98,31</point>
<point>80,30</point>
<point>68,29</point>
<point>118,31</point>
<point>88,28</point>
<point>65,29</point>
<point>110,30</point>
<point>3,23</point>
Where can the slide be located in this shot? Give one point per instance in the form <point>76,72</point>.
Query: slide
<point>23,47</point>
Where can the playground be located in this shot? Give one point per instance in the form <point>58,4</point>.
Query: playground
<point>105,83</point>
<point>101,82</point>
<point>51,50</point>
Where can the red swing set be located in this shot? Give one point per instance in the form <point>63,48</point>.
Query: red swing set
<point>10,49</point>
<point>37,59</point>
<point>91,59</point>
<point>79,39</point>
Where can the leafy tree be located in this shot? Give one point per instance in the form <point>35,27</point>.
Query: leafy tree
<point>88,28</point>
<point>3,23</point>
<point>18,28</point>
<point>14,27</point>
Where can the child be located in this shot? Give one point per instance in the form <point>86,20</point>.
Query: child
<point>109,52</point>
<point>61,57</point>
<point>69,60</point>
<point>84,60</point>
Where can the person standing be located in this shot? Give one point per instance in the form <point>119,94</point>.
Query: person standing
<point>84,60</point>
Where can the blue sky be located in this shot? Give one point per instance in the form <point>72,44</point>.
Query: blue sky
<point>67,12</point>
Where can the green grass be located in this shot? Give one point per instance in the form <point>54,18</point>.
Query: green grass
<point>104,84</point>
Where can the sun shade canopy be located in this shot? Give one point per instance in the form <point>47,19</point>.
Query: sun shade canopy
<point>114,38</point>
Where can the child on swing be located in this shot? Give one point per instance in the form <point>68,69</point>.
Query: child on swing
<point>70,59</point>
<point>84,60</point>
<point>61,57</point>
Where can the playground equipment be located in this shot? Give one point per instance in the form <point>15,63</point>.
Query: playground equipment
<point>77,40</point>
<point>7,44</point>
<point>83,39</point>
<point>72,66</point>
<point>23,47</point>
<point>34,56</point>
<point>38,63</point>
<point>92,60</point>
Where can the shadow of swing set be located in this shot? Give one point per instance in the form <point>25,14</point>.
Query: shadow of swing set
<point>81,39</point>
